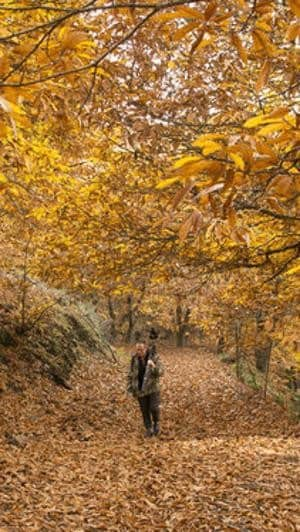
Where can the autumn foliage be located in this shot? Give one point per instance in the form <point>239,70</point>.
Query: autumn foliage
<point>149,170</point>
<point>152,149</point>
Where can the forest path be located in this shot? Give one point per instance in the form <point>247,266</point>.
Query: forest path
<point>225,461</point>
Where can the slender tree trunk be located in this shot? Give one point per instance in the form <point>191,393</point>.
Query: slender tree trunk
<point>130,318</point>
<point>238,354</point>
<point>24,288</point>
<point>182,319</point>
<point>179,338</point>
<point>262,344</point>
<point>267,370</point>
<point>220,344</point>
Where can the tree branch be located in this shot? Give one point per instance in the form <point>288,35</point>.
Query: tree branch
<point>266,212</point>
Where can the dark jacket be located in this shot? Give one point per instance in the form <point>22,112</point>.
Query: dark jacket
<point>150,383</point>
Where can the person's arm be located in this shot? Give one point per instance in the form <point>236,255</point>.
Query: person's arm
<point>156,366</point>
<point>129,377</point>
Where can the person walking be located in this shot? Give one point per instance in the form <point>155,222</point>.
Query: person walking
<point>143,383</point>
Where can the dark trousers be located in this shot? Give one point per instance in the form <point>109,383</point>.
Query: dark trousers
<point>149,405</point>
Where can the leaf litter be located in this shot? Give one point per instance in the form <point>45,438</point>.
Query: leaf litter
<point>77,460</point>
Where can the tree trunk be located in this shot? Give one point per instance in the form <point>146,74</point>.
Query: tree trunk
<point>182,319</point>
<point>261,358</point>
<point>238,354</point>
<point>267,369</point>
<point>220,344</point>
<point>130,319</point>
<point>24,289</point>
<point>263,344</point>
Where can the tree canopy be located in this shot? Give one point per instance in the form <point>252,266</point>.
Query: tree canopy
<point>153,146</point>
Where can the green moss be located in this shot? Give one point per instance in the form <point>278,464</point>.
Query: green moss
<point>279,399</point>
<point>250,378</point>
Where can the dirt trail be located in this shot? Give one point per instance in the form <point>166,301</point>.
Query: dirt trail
<point>77,461</point>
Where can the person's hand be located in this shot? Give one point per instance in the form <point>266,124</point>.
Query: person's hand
<point>151,363</point>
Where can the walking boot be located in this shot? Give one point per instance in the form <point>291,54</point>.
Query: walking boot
<point>148,432</point>
<point>156,429</point>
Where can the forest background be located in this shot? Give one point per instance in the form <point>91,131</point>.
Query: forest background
<point>150,164</point>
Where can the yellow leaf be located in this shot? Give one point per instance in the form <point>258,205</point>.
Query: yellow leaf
<point>291,271</point>
<point>236,41</point>
<point>213,168</point>
<point>209,146</point>
<point>182,32</point>
<point>3,179</point>
<point>254,121</point>
<point>187,159</point>
<point>264,149</point>
<point>10,107</point>
<point>38,213</point>
<point>87,43</point>
<point>291,120</point>
<point>103,72</point>
<point>279,112</point>
<point>238,178</point>
<point>191,12</point>
<point>262,163</point>
<point>4,65</point>
<point>207,136</point>
<point>282,184</point>
<point>3,130</point>
<point>262,25</point>
<point>206,42</point>
<point>181,12</point>
<point>242,4</point>
<point>197,42</point>
<point>261,41</point>
<point>263,76</point>
<point>240,235</point>
<point>293,32</point>
<point>185,228</point>
<point>210,10</point>
<point>165,183</point>
<point>231,217</point>
<point>181,194</point>
<point>287,136</point>
<point>242,149</point>
<point>295,7</point>
<point>274,204</point>
<point>259,120</point>
<point>165,17</point>
<point>71,39</point>
<point>237,160</point>
<point>271,128</point>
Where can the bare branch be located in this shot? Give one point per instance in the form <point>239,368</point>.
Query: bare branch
<point>89,9</point>
<point>93,64</point>
<point>267,212</point>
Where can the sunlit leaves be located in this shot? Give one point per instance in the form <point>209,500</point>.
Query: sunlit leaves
<point>295,7</point>
<point>181,138</point>
<point>236,41</point>
<point>237,159</point>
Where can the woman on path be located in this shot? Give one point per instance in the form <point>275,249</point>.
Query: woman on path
<point>143,383</point>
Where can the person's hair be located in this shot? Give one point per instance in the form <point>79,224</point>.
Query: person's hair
<point>137,336</point>
<point>153,334</point>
